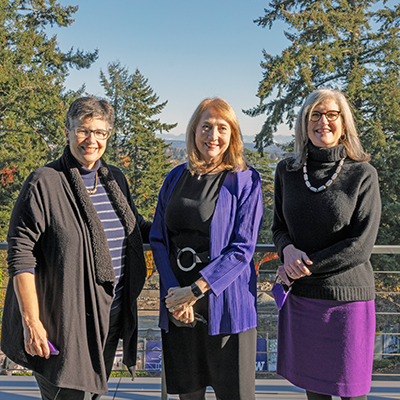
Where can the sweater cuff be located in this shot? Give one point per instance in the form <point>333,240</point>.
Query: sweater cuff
<point>23,271</point>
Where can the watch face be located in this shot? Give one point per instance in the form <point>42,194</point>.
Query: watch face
<point>196,290</point>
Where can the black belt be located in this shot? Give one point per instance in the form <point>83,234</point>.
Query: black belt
<point>198,258</point>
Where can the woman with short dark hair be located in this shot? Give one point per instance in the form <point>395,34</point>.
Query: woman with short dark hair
<point>76,264</point>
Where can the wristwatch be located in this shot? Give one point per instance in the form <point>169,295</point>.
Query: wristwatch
<point>196,291</point>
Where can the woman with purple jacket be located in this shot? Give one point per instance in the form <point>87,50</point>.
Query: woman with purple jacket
<point>203,238</point>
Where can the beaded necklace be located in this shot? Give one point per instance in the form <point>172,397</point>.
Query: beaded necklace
<point>328,182</point>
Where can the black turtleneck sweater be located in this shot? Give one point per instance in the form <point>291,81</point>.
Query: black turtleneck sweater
<point>336,228</point>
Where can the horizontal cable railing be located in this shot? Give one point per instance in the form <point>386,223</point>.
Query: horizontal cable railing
<point>151,336</point>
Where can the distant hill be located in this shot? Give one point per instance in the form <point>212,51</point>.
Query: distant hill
<point>179,142</point>
<point>283,138</point>
<point>168,137</point>
<point>274,151</point>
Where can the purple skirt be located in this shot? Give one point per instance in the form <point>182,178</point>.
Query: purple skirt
<point>327,346</point>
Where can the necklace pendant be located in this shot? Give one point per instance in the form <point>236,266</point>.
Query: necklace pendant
<point>94,190</point>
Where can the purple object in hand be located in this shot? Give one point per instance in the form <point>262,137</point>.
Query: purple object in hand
<point>53,349</point>
<point>279,293</point>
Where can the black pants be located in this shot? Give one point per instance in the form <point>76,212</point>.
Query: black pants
<point>52,392</point>
<point>194,359</point>
<point>114,333</point>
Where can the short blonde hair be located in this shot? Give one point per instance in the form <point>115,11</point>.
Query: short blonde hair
<point>350,139</point>
<point>233,158</point>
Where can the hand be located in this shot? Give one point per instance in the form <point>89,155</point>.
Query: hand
<point>178,299</point>
<point>35,336</point>
<point>282,274</point>
<point>294,265</point>
<point>185,315</point>
<point>35,339</point>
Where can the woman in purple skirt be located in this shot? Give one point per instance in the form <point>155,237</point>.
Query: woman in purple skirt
<point>326,218</point>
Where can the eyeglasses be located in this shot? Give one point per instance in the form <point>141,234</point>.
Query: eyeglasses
<point>330,115</point>
<point>99,134</point>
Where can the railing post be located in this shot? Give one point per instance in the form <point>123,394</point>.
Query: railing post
<point>164,394</point>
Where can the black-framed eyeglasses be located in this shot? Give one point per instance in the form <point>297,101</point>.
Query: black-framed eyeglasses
<point>99,134</point>
<point>331,115</point>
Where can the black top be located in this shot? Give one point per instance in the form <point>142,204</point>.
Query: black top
<point>336,228</point>
<point>191,207</point>
<point>189,213</point>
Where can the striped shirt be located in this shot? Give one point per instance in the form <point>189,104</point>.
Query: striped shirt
<point>115,232</point>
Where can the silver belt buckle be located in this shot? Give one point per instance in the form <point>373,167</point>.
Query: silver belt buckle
<point>179,261</point>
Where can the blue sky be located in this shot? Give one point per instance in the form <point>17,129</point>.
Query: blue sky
<point>188,50</point>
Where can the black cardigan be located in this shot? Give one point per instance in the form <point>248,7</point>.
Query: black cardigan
<point>336,228</point>
<point>55,228</point>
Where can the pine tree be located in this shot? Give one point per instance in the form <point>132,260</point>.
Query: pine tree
<point>350,45</point>
<point>263,165</point>
<point>353,46</point>
<point>116,90</point>
<point>32,98</point>
<point>135,147</point>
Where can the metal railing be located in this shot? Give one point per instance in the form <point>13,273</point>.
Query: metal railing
<point>266,248</point>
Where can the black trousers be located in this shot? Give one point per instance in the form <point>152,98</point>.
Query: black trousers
<point>193,360</point>
<point>53,392</point>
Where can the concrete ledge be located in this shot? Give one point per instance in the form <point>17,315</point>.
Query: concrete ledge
<point>25,388</point>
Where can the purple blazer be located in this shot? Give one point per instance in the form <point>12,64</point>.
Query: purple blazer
<point>233,237</point>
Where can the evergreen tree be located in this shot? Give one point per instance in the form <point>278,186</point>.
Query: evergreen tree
<point>116,89</point>
<point>32,101</point>
<point>263,165</point>
<point>343,44</point>
<point>353,46</point>
<point>135,147</point>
